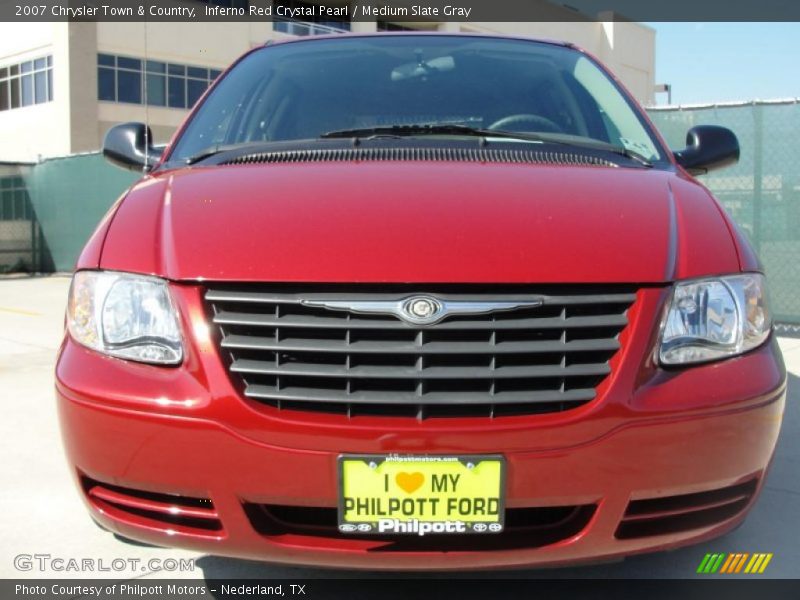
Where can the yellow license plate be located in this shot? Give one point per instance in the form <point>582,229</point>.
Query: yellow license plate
<point>421,495</point>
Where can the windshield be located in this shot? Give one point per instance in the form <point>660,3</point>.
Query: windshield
<point>305,90</point>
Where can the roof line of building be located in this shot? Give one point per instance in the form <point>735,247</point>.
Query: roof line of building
<point>733,104</point>
<point>370,34</point>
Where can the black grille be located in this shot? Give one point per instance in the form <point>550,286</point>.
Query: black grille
<point>435,154</point>
<point>547,358</point>
<point>530,527</point>
<point>673,514</point>
<point>195,516</point>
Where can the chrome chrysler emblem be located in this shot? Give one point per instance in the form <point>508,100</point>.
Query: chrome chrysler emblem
<point>422,310</point>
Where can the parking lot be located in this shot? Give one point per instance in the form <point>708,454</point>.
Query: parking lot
<point>42,513</point>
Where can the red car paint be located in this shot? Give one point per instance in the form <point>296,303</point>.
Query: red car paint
<point>633,227</point>
<point>187,431</point>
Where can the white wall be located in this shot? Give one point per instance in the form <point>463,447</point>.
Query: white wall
<point>41,129</point>
<point>206,44</point>
<point>627,49</point>
<point>632,57</point>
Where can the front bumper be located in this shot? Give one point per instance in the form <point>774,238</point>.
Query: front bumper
<point>649,434</point>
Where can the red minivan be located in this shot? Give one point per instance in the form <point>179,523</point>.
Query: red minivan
<point>419,302</point>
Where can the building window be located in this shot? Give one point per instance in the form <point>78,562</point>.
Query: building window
<point>176,84</point>
<point>26,83</point>
<point>136,81</point>
<point>156,83</point>
<point>14,202</point>
<point>129,80</point>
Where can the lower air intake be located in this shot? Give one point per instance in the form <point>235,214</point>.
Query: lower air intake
<point>524,528</point>
<point>673,514</point>
<point>181,514</point>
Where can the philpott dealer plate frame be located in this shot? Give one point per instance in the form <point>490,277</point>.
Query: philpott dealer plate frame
<point>422,473</point>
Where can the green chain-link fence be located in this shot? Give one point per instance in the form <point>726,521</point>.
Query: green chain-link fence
<point>48,210</point>
<point>20,234</point>
<point>69,196</point>
<point>761,192</point>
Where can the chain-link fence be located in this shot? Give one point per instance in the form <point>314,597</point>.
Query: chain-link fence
<point>20,235</point>
<point>49,209</point>
<point>70,195</point>
<point>761,192</point>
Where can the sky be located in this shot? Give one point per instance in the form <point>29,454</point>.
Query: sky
<point>721,62</point>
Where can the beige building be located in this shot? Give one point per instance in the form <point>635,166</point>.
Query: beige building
<point>62,85</point>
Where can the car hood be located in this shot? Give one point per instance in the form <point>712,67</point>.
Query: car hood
<point>420,222</point>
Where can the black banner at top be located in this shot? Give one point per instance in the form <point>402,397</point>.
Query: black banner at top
<point>399,11</point>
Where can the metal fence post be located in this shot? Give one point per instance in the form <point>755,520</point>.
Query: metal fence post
<point>34,245</point>
<point>758,174</point>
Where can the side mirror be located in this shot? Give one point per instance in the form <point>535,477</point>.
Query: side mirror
<point>130,146</point>
<point>708,147</point>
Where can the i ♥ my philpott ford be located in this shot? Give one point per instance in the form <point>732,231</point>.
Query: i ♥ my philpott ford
<point>419,302</point>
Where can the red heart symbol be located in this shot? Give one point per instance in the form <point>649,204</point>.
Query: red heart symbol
<point>410,482</point>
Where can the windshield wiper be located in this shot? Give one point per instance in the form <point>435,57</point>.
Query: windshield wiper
<point>218,149</point>
<point>453,129</point>
<point>628,153</point>
<point>373,132</point>
<point>441,129</point>
<point>465,130</point>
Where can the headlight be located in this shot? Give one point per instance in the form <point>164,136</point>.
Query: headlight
<point>123,315</point>
<point>715,318</point>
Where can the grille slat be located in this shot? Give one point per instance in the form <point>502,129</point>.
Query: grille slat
<point>298,394</point>
<point>323,370</point>
<point>270,320</point>
<point>529,360</point>
<point>251,342</point>
<point>298,298</point>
